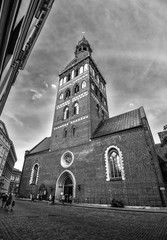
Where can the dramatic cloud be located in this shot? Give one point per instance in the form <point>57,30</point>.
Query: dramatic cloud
<point>129,42</point>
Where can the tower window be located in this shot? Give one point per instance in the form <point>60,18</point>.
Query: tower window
<point>67,93</point>
<point>73,130</point>
<point>61,82</point>
<point>66,113</point>
<point>76,89</point>
<point>81,70</point>
<point>76,108</point>
<point>84,48</point>
<point>69,77</point>
<point>61,96</point>
<point>85,67</point>
<point>83,85</point>
<point>65,132</point>
<point>76,72</point>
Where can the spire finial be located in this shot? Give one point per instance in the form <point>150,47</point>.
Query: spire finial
<point>83,34</point>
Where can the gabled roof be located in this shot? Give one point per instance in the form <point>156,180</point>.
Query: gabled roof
<point>119,123</point>
<point>41,147</point>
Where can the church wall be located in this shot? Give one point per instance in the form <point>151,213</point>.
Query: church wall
<point>140,186</point>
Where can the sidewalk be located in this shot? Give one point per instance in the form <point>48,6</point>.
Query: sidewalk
<point>107,207</point>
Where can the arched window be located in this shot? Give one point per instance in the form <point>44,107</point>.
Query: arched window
<point>85,67</point>
<point>76,89</point>
<point>65,132</point>
<point>76,108</point>
<point>81,70</point>
<point>83,85</point>
<point>67,93</point>
<point>34,174</point>
<point>114,164</point>
<point>66,113</point>
<point>97,109</point>
<point>73,130</point>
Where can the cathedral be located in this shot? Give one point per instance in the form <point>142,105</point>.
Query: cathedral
<point>90,156</point>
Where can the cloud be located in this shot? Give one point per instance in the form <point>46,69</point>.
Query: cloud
<point>37,95</point>
<point>53,86</point>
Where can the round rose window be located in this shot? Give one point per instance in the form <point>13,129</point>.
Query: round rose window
<point>67,159</point>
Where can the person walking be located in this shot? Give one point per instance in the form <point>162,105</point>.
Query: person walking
<point>8,202</point>
<point>4,199</point>
<point>13,202</point>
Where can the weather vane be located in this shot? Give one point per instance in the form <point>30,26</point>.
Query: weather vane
<point>83,33</point>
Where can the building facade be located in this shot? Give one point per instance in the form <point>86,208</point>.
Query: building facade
<point>15,181</point>
<point>21,22</point>
<point>7,158</point>
<point>90,156</point>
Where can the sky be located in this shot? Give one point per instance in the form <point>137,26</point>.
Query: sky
<point>129,43</point>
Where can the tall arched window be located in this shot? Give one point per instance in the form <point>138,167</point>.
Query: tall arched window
<point>114,164</point>
<point>61,81</point>
<point>34,174</point>
<point>68,77</point>
<point>76,72</point>
<point>83,85</point>
<point>67,93</point>
<point>76,89</point>
<point>102,114</point>
<point>72,74</point>
<point>66,113</point>
<point>65,80</point>
<point>76,108</point>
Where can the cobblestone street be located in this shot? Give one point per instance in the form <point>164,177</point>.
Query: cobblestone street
<point>35,220</point>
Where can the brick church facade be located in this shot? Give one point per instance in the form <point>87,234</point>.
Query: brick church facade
<point>90,156</point>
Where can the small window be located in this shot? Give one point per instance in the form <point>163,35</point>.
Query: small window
<point>67,93</point>
<point>76,89</point>
<point>83,85</point>
<point>73,130</point>
<point>92,86</point>
<point>72,74</point>
<point>34,174</point>
<point>80,49</point>
<point>101,97</point>
<point>84,48</point>
<point>76,108</point>
<point>65,132</point>
<point>66,113</point>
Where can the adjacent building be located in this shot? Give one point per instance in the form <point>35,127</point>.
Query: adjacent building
<point>21,22</point>
<point>15,181</point>
<point>7,158</point>
<point>89,155</point>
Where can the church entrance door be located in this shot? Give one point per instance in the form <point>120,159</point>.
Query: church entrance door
<point>65,185</point>
<point>68,189</point>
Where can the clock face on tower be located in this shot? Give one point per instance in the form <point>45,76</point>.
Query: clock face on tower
<point>67,159</point>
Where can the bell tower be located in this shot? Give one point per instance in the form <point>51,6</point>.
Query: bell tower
<point>81,100</point>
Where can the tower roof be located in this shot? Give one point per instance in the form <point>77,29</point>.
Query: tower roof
<point>82,50</point>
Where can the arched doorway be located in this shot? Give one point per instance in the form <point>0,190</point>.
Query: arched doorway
<point>65,184</point>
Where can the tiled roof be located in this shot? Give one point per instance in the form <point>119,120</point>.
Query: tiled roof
<point>42,146</point>
<point>119,123</point>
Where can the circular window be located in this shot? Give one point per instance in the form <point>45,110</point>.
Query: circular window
<point>67,159</point>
